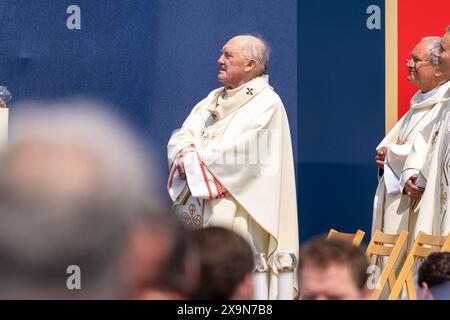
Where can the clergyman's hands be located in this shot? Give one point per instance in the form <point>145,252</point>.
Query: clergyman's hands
<point>411,189</point>
<point>180,156</point>
<point>379,158</point>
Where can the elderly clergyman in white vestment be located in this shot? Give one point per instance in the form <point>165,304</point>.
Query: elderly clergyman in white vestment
<point>393,207</point>
<point>231,161</point>
<point>431,159</point>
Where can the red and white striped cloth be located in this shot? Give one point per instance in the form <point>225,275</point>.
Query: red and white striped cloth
<point>200,181</point>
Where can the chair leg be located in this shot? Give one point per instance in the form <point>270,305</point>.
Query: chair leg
<point>410,287</point>
<point>391,280</point>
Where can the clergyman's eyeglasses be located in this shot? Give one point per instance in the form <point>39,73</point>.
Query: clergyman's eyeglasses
<point>411,63</point>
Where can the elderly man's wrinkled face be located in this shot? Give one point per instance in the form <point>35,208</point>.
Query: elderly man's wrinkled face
<point>334,282</point>
<point>232,64</point>
<point>422,71</point>
<point>444,55</point>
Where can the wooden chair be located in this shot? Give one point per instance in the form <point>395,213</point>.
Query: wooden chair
<point>355,238</point>
<point>423,246</point>
<point>446,245</point>
<point>390,246</point>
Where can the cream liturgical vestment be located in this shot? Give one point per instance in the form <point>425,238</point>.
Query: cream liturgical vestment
<point>392,208</point>
<point>433,217</point>
<point>237,154</point>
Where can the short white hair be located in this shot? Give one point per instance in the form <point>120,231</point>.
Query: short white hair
<point>433,49</point>
<point>258,49</point>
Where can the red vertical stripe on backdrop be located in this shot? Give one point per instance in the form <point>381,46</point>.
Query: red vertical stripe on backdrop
<point>416,19</point>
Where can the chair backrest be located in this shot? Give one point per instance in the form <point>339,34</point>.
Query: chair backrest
<point>389,246</point>
<point>446,245</point>
<point>424,245</point>
<point>354,238</point>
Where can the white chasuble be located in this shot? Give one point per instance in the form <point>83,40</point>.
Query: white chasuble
<point>444,184</point>
<point>240,170</point>
<point>434,205</point>
<point>393,210</point>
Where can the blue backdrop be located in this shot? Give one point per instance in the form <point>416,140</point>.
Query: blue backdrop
<point>340,115</point>
<point>154,60</point>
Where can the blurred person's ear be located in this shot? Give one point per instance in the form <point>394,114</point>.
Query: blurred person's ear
<point>367,294</point>
<point>150,294</point>
<point>424,292</point>
<point>244,290</point>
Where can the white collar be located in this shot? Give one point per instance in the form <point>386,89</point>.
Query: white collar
<point>426,100</point>
<point>229,100</point>
<point>424,96</point>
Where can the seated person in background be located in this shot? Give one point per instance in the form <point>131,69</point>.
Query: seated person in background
<point>434,277</point>
<point>161,262</point>
<point>226,265</point>
<point>333,269</point>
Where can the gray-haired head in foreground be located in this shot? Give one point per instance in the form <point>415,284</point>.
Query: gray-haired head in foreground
<point>72,180</point>
<point>435,44</point>
<point>256,48</point>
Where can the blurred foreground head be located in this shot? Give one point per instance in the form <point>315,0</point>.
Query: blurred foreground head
<point>72,179</point>
<point>434,277</point>
<point>333,269</point>
<point>161,261</point>
<point>226,265</point>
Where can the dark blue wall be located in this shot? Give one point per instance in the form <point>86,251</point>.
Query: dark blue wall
<point>341,114</point>
<point>155,59</point>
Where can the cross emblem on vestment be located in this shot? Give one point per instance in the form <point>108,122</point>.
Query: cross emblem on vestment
<point>250,91</point>
<point>190,218</point>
